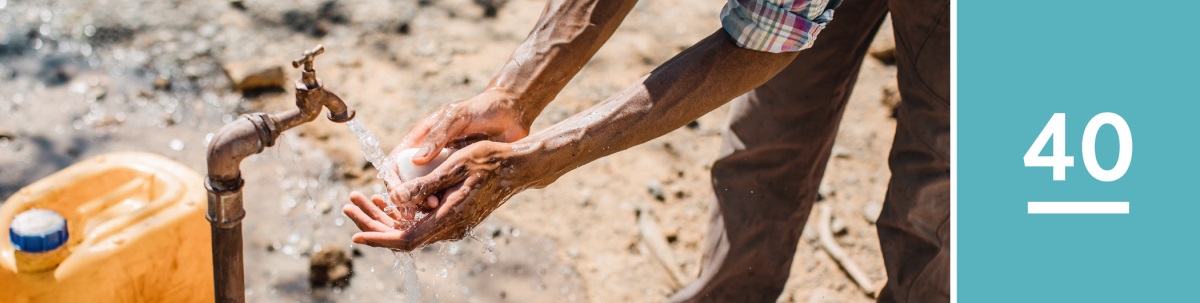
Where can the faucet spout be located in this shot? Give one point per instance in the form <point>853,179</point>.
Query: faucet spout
<point>246,136</point>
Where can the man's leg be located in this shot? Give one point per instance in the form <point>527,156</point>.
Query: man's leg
<point>914,227</point>
<point>772,161</point>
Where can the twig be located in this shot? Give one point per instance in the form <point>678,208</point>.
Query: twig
<point>824,217</point>
<point>653,238</point>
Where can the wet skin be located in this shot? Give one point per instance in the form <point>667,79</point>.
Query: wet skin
<point>498,160</point>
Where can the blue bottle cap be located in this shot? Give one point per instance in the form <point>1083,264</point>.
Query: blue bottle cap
<point>37,230</point>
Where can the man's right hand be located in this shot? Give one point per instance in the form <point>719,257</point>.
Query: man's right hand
<point>493,115</point>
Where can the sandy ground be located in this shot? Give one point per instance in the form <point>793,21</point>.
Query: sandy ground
<point>81,78</point>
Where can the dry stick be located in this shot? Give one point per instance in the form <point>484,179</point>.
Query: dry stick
<point>824,217</point>
<point>653,238</point>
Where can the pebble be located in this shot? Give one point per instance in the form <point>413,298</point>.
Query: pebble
<point>891,94</point>
<point>330,267</point>
<point>838,226</point>
<point>825,191</point>
<point>656,190</point>
<point>883,47</point>
<point>840,152</point>
<point>252,75</point>
<point>871,211</point>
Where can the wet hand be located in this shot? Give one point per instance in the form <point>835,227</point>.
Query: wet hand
<point>493,115</point>
<point>470,185</point>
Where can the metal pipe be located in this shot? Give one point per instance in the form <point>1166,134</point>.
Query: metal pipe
<point>242,138</point>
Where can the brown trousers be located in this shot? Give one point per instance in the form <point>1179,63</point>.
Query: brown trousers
<point>779,141</point>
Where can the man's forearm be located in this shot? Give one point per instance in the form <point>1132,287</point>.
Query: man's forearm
<point>566,36</point>
<point>684,88</point>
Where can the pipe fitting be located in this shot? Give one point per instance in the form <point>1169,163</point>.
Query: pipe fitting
<point>225,207</point>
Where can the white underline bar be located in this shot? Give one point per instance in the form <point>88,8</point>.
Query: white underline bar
<point>1078,207</point>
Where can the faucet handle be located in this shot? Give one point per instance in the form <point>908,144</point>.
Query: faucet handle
<point>307,60</point>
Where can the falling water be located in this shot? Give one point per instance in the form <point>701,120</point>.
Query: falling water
<point>405,264</point>
<point>374,154</point>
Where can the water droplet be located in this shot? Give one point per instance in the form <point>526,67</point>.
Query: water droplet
<point>176,145</point>
<point>443,273</point>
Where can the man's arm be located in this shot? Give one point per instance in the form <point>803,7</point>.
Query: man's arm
<point>703,77</point>
<point>566,36</point>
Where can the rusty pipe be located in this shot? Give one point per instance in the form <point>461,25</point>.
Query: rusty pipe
<point>246,136</point>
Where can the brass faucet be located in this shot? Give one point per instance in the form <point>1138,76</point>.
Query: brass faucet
<point>239,139</point>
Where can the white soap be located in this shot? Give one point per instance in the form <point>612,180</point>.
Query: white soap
<point>409,171</point>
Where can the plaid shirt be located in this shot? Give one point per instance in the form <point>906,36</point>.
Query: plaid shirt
<point>776,25</point>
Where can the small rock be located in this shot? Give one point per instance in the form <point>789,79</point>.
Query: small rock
<point>491,7</point>
<point>162,83</point>
<point>838,226</point>
<point>254,75</point>
<point>884,45</point>
<point>6,135</point>
<point>209,30</point>
<point>656,190</point>
<point>809,233</point>
<point>824,191</point>
<point>840,152</point>
<point>891,94</point>
<point>871,211</point>
<point>330,267</point>
<point>693,125</point>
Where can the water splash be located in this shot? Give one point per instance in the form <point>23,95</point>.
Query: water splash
<point>404,263</point>
<point>374,154</point>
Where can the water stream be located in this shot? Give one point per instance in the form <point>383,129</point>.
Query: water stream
<point>405,264</point>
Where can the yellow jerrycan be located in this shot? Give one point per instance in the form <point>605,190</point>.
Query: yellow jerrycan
<point>120,227</point>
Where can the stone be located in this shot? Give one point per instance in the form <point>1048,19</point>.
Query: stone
<point>891,94</point>
<point>871,211</point>
<point>825,191</point>
<point>883,47</point>
<point>330,267</point>
<point>838,227</point>
<point>254,75</point>
<point>655,189</point>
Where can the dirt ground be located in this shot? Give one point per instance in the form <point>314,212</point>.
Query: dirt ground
<point>81,78</point>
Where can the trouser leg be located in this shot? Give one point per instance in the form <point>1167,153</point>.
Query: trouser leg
<point>772,160</point>
<point>914,226</point>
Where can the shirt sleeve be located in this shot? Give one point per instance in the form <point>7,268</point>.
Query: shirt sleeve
<point>776,26</point>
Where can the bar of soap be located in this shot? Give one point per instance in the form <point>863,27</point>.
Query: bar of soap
<point>409,171</point>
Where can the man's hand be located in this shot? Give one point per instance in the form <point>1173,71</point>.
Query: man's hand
<point>472,183</point>
<point>493,115</point>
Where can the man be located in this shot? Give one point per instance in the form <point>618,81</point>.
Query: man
<point>773,157</point>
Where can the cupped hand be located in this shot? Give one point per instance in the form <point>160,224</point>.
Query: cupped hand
<point>471,184</point>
